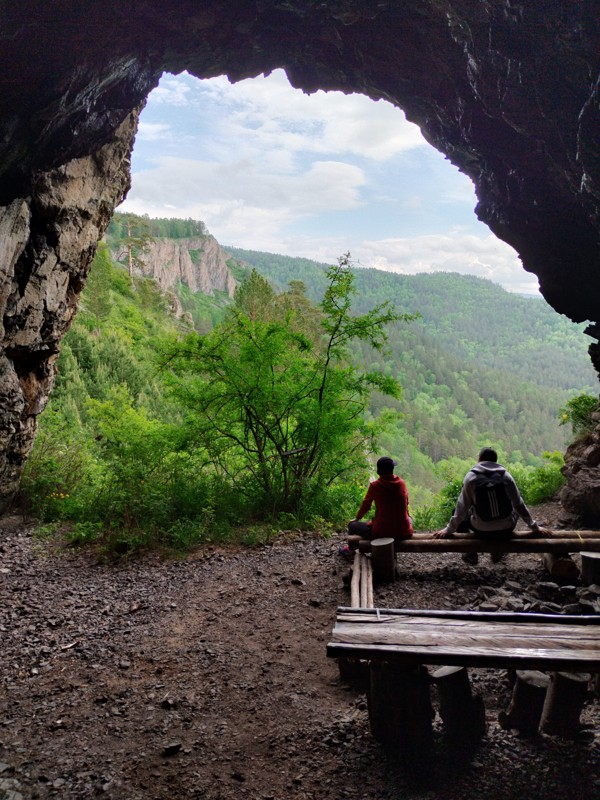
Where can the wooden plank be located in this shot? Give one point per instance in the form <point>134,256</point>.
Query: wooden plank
<point>479,641</point>
<point>519,544</point>
<point>465,639</point>
<point>364,581</point>
<point>355,583</point>
<point>370,602</point>
<point>445,630</point>
<point>557,534</point>
<point>528,659</point>
<point>492,616</point>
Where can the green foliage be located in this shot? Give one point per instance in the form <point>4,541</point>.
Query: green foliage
<point>163,228</point>
<point>578,413</point>
<point>540,483</point>
<point>536,484</point>
<point>278,413</point>
<point>267,419</point>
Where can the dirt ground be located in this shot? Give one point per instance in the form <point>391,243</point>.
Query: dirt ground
<point>207,677</point>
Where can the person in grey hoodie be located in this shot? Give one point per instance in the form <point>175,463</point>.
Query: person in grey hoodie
<point>496,518</point>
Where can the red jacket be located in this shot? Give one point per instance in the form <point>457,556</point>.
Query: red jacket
<point>391,518</point>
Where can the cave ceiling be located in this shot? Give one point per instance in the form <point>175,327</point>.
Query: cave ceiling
<point>508,91</point>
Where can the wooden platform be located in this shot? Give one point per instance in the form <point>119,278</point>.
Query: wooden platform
<point>501,640</point>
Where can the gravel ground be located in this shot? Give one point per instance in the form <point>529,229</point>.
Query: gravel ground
<point>207,677</point>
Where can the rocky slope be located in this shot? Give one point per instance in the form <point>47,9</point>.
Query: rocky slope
<point>207,677</point>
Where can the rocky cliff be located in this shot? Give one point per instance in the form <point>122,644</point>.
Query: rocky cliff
<point>200,264</point>
<point>509,90</point>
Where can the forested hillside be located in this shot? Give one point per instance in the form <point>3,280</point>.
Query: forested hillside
<point>152,427</point>
<point>480,365</point>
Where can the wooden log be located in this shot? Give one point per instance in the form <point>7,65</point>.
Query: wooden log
<point>590,568</point>
<point>364,581</point>
<point>518,544</point>
<point>526,704</point>
<point>370,602</point>
<point>519,536</point>
<point>462,713</point>
<point>355,584</point>
<point>364,545</point>
<point>353,541</point>
<point>560,566</point>
<point>383,560</point>
<point>400,712</point>
<point>564,702</point>
<point>482,616</point>
<point>355,672</point>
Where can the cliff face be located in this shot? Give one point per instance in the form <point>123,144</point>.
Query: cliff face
<point>200,264</point>
<point>509,90</point>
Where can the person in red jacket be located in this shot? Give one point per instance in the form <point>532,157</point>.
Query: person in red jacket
<point>390,496</point>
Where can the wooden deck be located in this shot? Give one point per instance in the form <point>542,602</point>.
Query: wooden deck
<point>478,639</point>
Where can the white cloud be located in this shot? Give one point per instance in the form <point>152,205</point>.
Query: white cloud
<point>152,131</point>
<point>267,112</point>
<point>267,167</point>
<point>324,186</point>
<point>483,256</point>
<point>172,91</point>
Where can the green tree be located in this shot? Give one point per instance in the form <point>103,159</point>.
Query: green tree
<point>281,415</point>
<point>579,413</point>
<point>134,241</point>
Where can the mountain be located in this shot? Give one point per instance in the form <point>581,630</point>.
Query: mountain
<point>479,366</point>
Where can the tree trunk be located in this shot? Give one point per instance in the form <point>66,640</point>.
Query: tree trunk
<point>564,701</point>
<point>590,568</point>
<point>561,566</point>
<point>462,713</point>
<point>383,560</point>
<point>525,709</point>
<point>400,712</point>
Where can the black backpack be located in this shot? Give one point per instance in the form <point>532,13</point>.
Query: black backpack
<point>491,498</point>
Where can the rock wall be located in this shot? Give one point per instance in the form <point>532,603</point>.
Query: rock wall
<point>580,497</point>
<point>47,243</point>
<point>509,90</point>
<point>200,264</point>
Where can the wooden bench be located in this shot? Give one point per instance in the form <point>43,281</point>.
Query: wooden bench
<point>555,550</point>
<point>397,644</point>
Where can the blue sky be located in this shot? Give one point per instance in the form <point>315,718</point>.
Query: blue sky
<point>267,167</point>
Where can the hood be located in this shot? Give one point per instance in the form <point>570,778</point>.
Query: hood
<point>390,481</point>
<point>485,467</point>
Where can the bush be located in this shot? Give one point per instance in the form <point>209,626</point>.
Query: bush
<point>578,412</point>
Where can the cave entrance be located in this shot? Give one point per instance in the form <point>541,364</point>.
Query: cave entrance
<point>269,168</point>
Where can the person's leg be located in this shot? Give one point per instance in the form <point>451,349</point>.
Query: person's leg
<point>500,536</point>
<point>465,527</point>
<point>360,528</point>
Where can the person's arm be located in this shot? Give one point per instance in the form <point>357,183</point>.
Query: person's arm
<point>464,502</point>
<point>522,510</point>
<point>366,504</point>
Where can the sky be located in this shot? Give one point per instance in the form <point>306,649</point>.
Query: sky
<point>267,167</point>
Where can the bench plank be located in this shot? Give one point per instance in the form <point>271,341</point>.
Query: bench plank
<point>406,637</point>
<point>561,542</point>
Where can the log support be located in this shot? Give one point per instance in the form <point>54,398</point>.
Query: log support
<point>564,702</point>
<point>526,704</point>
<point>560,566</point>
<point>400,712</point>
<point>462,712</point>
<point>383,560</point>
<point>590,568</point>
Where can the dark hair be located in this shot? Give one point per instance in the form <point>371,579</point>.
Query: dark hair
<point>488,454</point>
<point>385,465</point>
